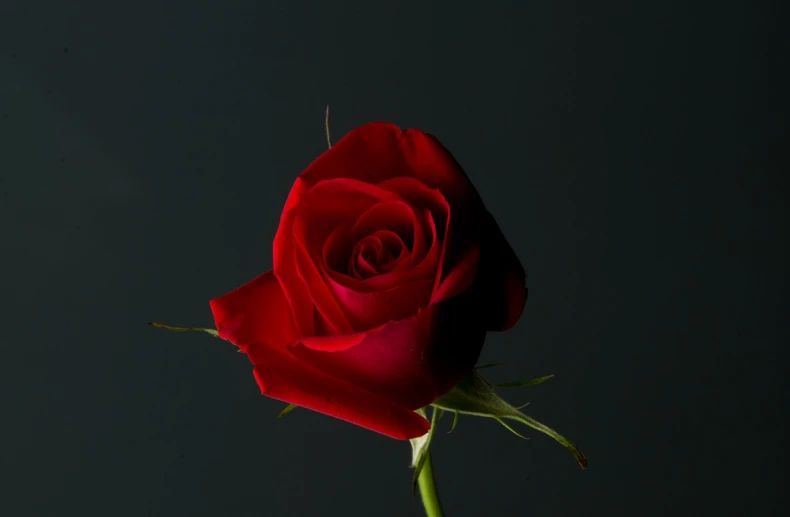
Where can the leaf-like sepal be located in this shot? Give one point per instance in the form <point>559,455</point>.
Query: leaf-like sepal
<point>213,332</point>
<point>184,329</point>
<point>455,422</point>
<point>287,409</point>
<point>474,396</point>
<point>489,365</point>
<point>421,445</point>
<point>528,382</point>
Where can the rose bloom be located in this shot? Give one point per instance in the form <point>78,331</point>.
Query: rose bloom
<point>388,272</point>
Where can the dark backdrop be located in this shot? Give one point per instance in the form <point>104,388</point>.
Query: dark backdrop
<point>626,148</point>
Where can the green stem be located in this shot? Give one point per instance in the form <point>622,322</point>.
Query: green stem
<point>430,497</point>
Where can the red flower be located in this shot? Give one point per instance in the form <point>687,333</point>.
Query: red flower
<point>388,271</point>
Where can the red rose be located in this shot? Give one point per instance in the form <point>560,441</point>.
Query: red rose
<point>388,271</point>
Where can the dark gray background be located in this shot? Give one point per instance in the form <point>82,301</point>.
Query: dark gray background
<point>146,149</point>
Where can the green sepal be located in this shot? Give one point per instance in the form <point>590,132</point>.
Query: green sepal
<point>474,396</point>
<point>519,384</point>
<point>286,410</point>
<point>489,365</point>
<point>455,422</point>
<point>421,444</point>
<point>213,332</point>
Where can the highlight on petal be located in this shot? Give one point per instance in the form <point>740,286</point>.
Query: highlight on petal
<point>333,343</point>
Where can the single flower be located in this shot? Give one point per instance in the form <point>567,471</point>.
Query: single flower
<point>388,272</point>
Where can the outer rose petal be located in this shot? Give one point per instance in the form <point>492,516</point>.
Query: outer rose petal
<point>379,151</point>
<point>255,314</point>
<point>412,361</point>
<point>460,278</point>
<point>501,279</point>
<point>257,318</point>
<point>283,377</point>
<point>285,264</point>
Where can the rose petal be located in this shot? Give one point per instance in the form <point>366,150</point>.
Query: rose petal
<point>379,151</point>
<point>285,266</point>
<point>501,279</point>
<point>426,268</point>
<point>359,265</point>
<point>257,318</point>
<point>320,210</point>
<point>377,253</point>
<point>460,278</point>
<point>285,378</point>
<point>255,313</point>
<point>335,253</point>
<point>330,343</point>
<point>433,165</point>
<point>362,269</point>
<point>515,298</point>
<point>367,310</point>
<point>329,198</point>
<point>427,238</point>
<point>332,203</point>
<point>399,253</point>
<point>413,361</point>
<point>396,216</point>
<point>369,153</point>
<point>325,303</point>
<point>421,197</point>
